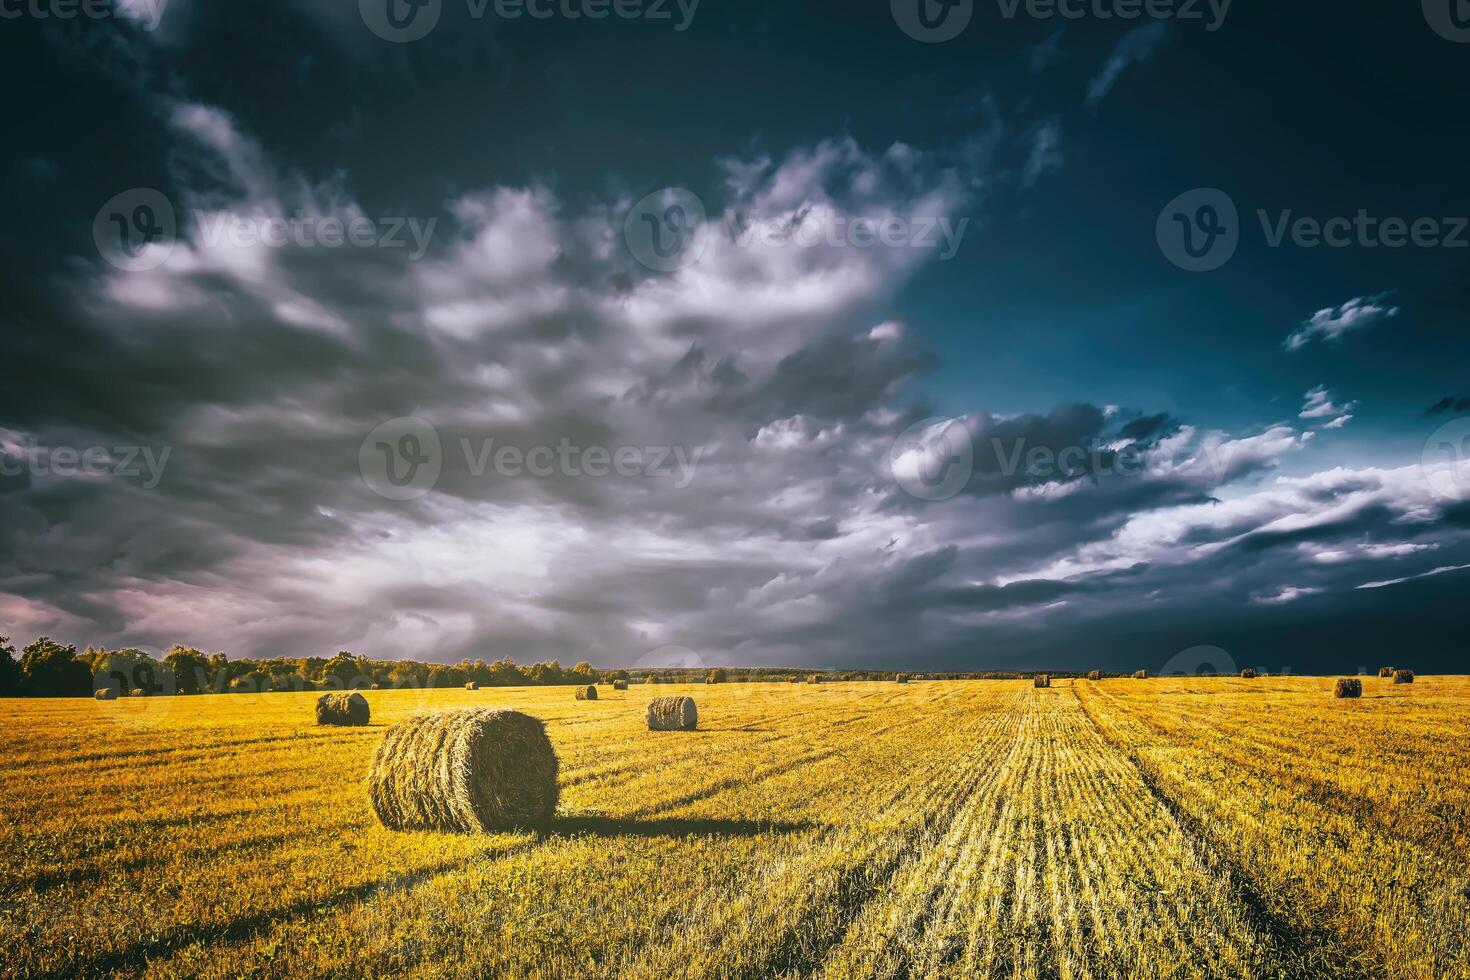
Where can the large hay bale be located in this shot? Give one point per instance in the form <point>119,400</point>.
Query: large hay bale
<point>588,693</point>
<point>1094,675</point>
<point>106,694</point>
<point>472,770</point>
<point>1140,675</point>
<point>137,692</point>
<point>342,709</point>
<point>813,679</point>
<point>620,685</point>
<point>472,686</point>
<point>900,678</point>
<point>1042,680</point>
<point>1349,687</point>
<point>1402,676</point>
<point>1248,673</point>
<point>1385,671</point>
<point>672,714</point>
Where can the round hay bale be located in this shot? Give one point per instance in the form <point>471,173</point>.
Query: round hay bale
<point>1042,680</point>
<point>796,680</point>
<point>106,694</point>
<point>1140,675</point>
<point>900,678</point>
<point>342,708</point>
<point>620,685</point>
<point>472,686</point>
<point>588,693</point>
<point>1402,676</point>
<point>1348,687</point>
<point>137,692</point>
<point>676,714</point>
<point>813,679</point>
<point>376,687</point>
<point>1094,675</point>
<point>1385,671</point>
<point>1249,673</point>
<point>474,770</point>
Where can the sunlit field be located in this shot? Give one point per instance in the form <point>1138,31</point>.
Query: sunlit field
<point>1119,828</point>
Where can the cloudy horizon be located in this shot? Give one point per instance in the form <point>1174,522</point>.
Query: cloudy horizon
<point>482,361</point>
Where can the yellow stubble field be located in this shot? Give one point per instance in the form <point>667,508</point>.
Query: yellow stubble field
<point>1184,827</point>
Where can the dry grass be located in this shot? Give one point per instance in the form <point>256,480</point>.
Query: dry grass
<point>1182,827</point>
<point>476,770</point>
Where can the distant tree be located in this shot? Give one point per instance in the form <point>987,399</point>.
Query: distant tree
<point>505,673</point>
<point>51,670</point>
<point>9,670</point>
<point>584,672</point>
<point>189,669</point>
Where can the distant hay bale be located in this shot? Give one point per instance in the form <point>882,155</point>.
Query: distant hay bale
<point>796,680</point>
<point>1140,675</point>
<point>1248,673</point>
<point>376,687</point>
<point>813,679</point>
<point>106,694</point>
<point>472,686</point>
<point>620,685</point>
<point>1402,676</point>
<point>137,692</point>
<point>1042,680</point>
<point>1349,687</point>
<point>1094,675</point>
<point>472,770</point>
<point>900,678</point>
<point>342,708</point>
<point>1385,671</point>
<point>588,693</point>
<point>918,677</point>
<point>672,714</point>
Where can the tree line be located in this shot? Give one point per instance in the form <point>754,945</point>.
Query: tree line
<point>46,668</point>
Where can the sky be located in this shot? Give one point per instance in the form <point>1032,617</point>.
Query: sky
<point>976,335</point>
